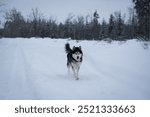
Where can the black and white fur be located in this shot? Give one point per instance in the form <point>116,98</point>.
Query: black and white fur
<point>74,59</point>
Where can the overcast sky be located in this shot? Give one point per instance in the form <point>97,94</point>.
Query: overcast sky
<point>60,9</point>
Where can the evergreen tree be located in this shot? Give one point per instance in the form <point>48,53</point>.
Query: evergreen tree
<point>132,24</point>
<point>96,26</point>
<point>111,26</point>
<point>143,13</point>
<point>120,25</point>
<point>104,29</point>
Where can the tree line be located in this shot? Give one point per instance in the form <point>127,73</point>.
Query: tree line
<point>80,27</point>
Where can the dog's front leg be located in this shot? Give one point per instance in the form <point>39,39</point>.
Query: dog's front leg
<point>68,66</point>
<point>75,73</point>
<point>78,72</point>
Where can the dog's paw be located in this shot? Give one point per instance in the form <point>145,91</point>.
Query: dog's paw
<point>77,78</point>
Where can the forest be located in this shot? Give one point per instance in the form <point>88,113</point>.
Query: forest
<point>87,27</point>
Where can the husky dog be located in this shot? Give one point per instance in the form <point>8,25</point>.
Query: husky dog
<point>74,59</point>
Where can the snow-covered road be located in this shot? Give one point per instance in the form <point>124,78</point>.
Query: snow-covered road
<point>36,69</point>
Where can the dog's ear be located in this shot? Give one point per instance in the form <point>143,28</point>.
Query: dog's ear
<point>80,47</point>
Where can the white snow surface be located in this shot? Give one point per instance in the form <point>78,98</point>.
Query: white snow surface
<point>36,69</point>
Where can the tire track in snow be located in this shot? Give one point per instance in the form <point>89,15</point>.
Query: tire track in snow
<point>19,78</point>
<point>30,74</point>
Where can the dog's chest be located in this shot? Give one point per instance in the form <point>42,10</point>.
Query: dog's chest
<point>76,65</point>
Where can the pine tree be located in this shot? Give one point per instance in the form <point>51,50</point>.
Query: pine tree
<point>143,13</point>
<point>120,25</point>
<point>132,24</point>
<point>111,26</point>
<point>96,26</point>
<point>104,29</point>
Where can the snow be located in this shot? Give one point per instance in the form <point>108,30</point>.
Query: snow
<point>36,69</point>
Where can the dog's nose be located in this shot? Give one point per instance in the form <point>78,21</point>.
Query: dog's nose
<point>77,57</point>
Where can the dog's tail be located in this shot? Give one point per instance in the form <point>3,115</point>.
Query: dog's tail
<point>67,48</point>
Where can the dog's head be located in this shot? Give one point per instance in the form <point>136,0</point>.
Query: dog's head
<point>77,53</point>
